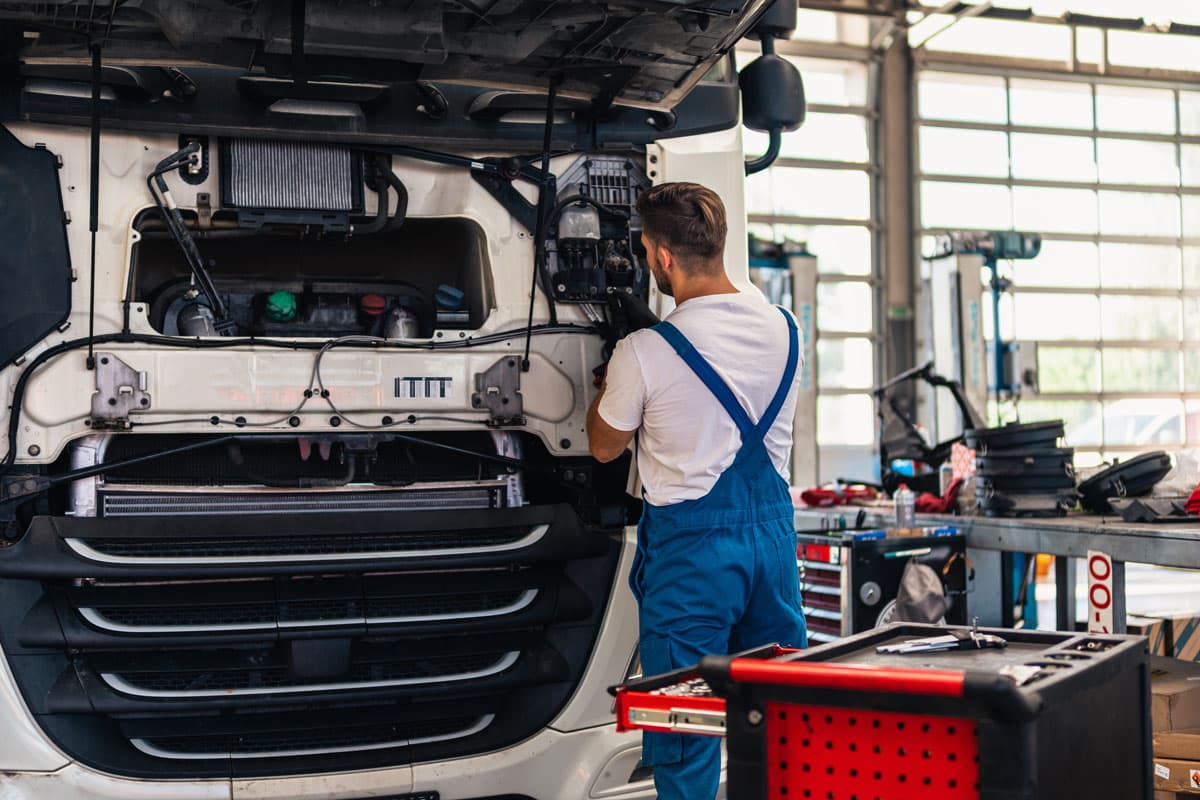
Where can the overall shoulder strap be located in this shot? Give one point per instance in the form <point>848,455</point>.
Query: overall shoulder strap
<point>707,375</point>
<point>789,374</point>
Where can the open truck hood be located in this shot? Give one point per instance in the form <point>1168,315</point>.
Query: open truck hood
<point>639,54</point>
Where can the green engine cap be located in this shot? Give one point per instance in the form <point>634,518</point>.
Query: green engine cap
<point>281,306</point>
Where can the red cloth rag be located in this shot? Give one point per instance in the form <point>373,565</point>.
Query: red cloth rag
<point>1192,506</point>
<point>835,495</point>
<point>930,503</point>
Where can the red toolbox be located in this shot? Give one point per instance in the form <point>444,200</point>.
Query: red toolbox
<point>1051,715</point>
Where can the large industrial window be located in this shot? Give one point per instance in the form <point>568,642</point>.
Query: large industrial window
<point>821,192</point>
<point>1109,173</point>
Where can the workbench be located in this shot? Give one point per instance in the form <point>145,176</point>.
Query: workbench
<point>1068,538</point>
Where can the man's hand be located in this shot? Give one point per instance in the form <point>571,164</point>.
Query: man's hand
<point>630,312</point>
<point>605,441</point>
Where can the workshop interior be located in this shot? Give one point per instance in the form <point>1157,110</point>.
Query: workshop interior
<point>305,304</point>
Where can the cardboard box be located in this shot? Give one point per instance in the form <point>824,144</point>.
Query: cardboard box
<point>1172,775</point>
<point>1182,745</point>
<point>1185,637</point>
<point>1156,630</point>
<point>1175,694</point>
<point>1183,631</point>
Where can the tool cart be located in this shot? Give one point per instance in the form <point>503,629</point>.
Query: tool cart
<point>918,711</point>
<point>849,581</point>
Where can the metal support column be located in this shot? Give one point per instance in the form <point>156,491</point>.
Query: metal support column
<point>1008,591</point>
<point>805,453</point>
<point>895,133</point>
<point>1064,592</point>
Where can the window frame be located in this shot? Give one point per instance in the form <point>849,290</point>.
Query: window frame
<point>872,223</point>
<point>1188,237</point>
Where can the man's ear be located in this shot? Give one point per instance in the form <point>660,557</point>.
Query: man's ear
<point>666,259</point>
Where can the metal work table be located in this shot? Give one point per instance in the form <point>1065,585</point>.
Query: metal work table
<point>1067,537</point>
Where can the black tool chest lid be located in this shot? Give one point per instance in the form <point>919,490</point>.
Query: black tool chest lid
<point>1015,435</point>
<point>1035,504</point>
<point>1045,461</point>
<point>1024,483</point>
<point>1131,478</point>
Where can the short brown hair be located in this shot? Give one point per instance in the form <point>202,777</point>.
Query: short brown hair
<point>686,217</point>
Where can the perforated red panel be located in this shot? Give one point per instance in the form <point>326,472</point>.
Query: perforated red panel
<point>854,754</point>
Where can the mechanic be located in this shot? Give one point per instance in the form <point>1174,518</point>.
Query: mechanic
<point>710,394</point>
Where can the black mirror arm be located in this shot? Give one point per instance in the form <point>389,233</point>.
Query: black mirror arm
<point>767,158</point>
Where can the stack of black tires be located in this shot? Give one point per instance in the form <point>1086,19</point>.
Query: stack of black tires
<point>1021,471</point>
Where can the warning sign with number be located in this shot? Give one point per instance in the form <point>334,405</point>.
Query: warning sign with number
<point>1100,588</point>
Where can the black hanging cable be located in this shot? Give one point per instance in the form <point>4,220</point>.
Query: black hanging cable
<point>94,198</point>
<point>540,229</point>
<point>299,65</point>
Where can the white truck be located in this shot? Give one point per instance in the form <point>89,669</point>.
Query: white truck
<point>301,307</point>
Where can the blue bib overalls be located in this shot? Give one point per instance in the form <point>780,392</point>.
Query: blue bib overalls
<point>716,574</point>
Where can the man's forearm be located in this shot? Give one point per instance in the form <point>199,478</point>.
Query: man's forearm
<point>594,411</point>
<point>604,441</point>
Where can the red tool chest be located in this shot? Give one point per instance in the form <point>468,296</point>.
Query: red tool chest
<point>1052,715</point>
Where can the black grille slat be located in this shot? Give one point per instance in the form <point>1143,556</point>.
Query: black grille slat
<point>303,545</point>
<point>430,669</point>
<point>320,609</point>
<point>298,612</point>
<point>287,741</point>
<point>208,614</point>
<point>440,605</point>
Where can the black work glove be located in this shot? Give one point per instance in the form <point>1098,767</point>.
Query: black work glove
<point>627,313</point>
<point>630,313</point>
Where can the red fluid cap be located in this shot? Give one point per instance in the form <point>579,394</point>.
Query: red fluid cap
<point>373,304</point>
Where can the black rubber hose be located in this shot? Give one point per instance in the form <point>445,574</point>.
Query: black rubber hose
<point>394,181</point>
<point>203,233</point>
<point>381,214</point>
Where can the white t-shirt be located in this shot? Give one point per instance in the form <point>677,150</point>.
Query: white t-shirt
<point>687,438</point>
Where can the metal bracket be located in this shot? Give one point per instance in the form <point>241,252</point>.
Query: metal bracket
<point>204,210</point>
<point>13,489</point>
<point>499,391</point>
<point>120,390</point>
<point>17,486</point>
<point>513,201</point>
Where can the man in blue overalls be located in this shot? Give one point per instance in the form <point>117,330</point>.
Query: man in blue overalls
<point>710,393</point>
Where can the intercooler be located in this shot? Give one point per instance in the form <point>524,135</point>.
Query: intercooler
<point>135,501</point>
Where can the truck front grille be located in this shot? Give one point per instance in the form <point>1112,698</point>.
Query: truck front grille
<point>184,646</point>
